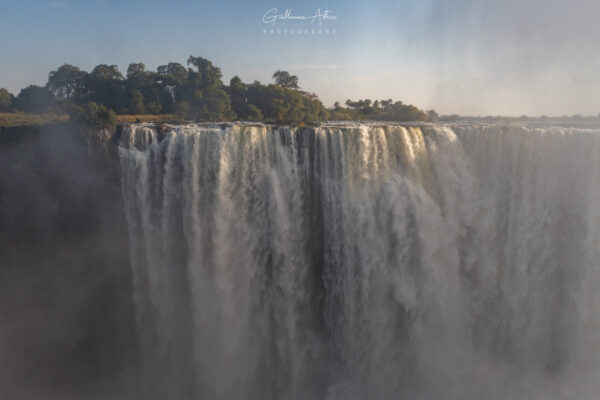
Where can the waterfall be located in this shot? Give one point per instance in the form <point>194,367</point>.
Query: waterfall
<point>365,261</point>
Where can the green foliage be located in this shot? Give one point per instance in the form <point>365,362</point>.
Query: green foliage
<point>339,113</point>
<point>61,106</point>
<point>154,107</point>
<point>181,109</point>
<point>66,81</point>
<point>284,79</point>
<point>357,105</point>
<point>204,92</point>
<point>402,112</point>
<point>237,94</point>
<point>450,118</point>
<point>6,100</point>
<point>281,105</point>
<point>136,102</point>
<point>381,110</point>
<point>254,113</point>
<point>107,73</point>
<point>105,85</point>
<point>171,78</point>
<point>136,71</point>
<point>143,92</point>
<point>432,115</point>
<point>173,74</point>
<point>194,92</point>
<point>34,99</point>
<point>94,115</point>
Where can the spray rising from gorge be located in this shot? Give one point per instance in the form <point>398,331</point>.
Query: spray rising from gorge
<point>365,261</point>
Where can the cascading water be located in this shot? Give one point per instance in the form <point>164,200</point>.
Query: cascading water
<point>365,261</point>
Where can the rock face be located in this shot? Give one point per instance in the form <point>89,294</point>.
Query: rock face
<point>65,287</point>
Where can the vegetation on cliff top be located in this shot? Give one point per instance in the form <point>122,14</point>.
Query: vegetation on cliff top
<point>9,119</point>
<point>195,92</point>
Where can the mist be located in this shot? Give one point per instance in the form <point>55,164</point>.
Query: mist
<point>471,57</point>
<point>514,57</point>
<point>64,279</point>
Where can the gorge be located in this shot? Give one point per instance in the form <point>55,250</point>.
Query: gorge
<point>341,261</point>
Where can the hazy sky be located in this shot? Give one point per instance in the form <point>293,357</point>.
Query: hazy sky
<point>473,57</point>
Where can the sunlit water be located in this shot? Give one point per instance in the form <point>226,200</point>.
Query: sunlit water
<point>365,261</point>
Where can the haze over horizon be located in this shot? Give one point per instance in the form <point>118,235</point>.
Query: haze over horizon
<point>467,56</point>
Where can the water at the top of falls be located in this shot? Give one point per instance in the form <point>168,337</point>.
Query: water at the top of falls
<point>551,125</point>
<point>365,260</point>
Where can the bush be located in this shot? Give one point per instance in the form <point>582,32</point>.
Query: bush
<point>154,107</point>
<point>136,102</point>
<point>94,115</point>
<point>34,99</point>
<point>181,110</point>
<point>281,105</point>
<point>254,113</point>
<point>6,100</point>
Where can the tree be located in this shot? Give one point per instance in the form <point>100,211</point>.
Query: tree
<point>237,93</point>
<point>382,110</point>
<point>66,81</point>
<point>171,79</point>
<point>204,92</point>
<point>154,107</point>
<point>432,115</point>
<point>181,109</point>
<point>6,100</point>
<point>156,89</point>
<point>386,103</point>
<point>174,73</point>
<point>208,74</point>
<point>254,113</point>
<point>34,99</point>
<point>196,92</point>
<point>136,102</point>
<point>358,104</point>
<point>106,72</point>
<point>138,78</point>
<point>95,116</point>
<point>136,70</point>
<point>281,105</point>
<point>402,112</point>
<point>285,80</point>
<point>105,85</point>
<point>215,106</point>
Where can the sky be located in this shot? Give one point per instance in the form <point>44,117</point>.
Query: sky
<point>471,57</point>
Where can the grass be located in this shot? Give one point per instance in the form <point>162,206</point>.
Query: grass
<point>13,119</point>
<point>24,119</point>
<point>130,119</point>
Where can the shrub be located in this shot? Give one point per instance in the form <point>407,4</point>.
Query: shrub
<point>254,113</point>
<point>34,99</point>
<point>94,115</point>
<point>6,100</point>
